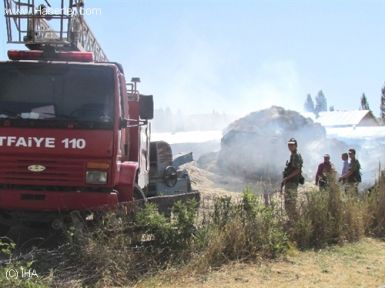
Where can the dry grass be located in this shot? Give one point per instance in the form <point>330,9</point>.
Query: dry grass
<point>189,245</point>
<point>375,219</point>
<point>329,218</point>
<point>360,264</point>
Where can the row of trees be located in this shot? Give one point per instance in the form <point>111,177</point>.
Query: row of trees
<point>320,103</point>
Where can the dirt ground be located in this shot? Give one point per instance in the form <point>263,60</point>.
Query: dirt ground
<point>214,184</point>
<point>360,264</point>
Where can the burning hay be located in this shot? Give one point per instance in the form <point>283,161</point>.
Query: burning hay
<point>255,146</point>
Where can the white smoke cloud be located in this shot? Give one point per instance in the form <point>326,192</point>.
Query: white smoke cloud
<point>203,78</point>
<point>194,84</point>
<point>274,83</point>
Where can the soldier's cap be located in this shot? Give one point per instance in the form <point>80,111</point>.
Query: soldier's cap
<point>326,156</point>
<point>292,141</point>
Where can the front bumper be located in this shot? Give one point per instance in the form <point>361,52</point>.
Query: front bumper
<point>55,201</point>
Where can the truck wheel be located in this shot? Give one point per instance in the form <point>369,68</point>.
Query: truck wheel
<point>170,176</point>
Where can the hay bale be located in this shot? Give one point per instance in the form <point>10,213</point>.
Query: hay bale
<point>255,146</point>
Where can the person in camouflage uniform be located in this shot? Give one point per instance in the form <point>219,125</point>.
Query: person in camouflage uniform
<point>353,177</point>
<point>291,178</point>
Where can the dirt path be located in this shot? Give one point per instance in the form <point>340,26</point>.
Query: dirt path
<point>360,264</point>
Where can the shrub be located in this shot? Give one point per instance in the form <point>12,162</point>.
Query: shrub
<point>328,217</point>
<point>169,237</point>
<point>244,230</point>
<point>376,208</point>
<point>18,272</point>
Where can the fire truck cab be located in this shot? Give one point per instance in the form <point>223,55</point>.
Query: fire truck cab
<point>74,136</point>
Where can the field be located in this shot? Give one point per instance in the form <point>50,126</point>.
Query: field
<point>229,240</point>
<point>360,264</point>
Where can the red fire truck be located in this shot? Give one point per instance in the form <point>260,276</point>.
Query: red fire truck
<point>74,136</point>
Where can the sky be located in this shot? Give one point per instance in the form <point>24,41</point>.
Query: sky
<point>239,56</point>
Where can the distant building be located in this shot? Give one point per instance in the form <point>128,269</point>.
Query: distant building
<point>354,118</point>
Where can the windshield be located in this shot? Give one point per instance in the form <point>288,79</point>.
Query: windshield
<point>38,94</point>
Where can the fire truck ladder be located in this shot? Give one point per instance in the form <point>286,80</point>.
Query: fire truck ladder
<point>27,23</point>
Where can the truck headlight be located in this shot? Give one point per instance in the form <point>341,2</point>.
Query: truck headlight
<point>96,177</point>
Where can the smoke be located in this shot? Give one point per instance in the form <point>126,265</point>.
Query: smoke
<point>204,76</point>
<point>274,83</point>
<point>255,147</point>
<point>369,143</point>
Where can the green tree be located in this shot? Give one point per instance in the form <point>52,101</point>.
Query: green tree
<point>382,107</point>
<point>321,102</point>
<point>309,104</point>
<point>364,103</point>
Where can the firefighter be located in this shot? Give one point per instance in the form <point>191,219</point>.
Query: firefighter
<point>353,177</point>
<point>324,172</point>
<point>291,178</point>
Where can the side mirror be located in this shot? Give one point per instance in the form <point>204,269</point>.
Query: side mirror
<point>146,107</point>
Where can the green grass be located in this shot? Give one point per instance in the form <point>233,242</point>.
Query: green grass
<point>19,273</point>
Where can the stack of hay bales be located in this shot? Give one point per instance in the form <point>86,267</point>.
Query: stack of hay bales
<point>255,147</point>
